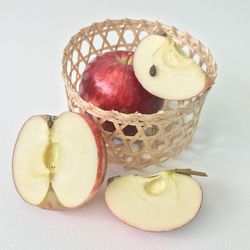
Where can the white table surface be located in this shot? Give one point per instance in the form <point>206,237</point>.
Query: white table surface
<point>33,36</point>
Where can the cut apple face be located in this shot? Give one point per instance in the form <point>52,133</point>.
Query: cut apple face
<point>162,202</point>
<point>166,71</point>
<point>59,162</point>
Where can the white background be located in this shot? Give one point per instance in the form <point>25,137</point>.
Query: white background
<point>33,35</point>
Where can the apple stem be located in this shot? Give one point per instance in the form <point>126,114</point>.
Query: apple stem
<point>112,178</point>
<point>51,120</point>
<point>128,59</point>
<point>188,171</point>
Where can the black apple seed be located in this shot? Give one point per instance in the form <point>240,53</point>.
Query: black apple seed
<point>152,70</point>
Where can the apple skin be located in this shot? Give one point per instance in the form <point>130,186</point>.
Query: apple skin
<point>102,155</point>
<point>51,201</point>
<point>109,82</point>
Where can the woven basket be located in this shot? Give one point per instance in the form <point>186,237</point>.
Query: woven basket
<point>159,136</point>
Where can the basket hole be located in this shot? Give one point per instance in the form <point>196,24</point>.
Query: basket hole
<point>108,126</point>
<point>129,36</point>
<point>159,145</point>
<point>69,65</point>
<point>85,48</point>
<point>98,42</point>
<point>92,57</point>
<point>142,35</point>
<point>204,67</point>
<point>113,37</point>
<point>151,131</point>
<point>175,139</point>
<point>185,103</point>
<point>196,58</point>
<point>194,99</point>
<point>146,156</point>
<point>186,50</point>
<point>76,109</point>
<point>136,146</point>
<point>81,67</point>
<point>128,159</point>
<point>130,130</point>
<point>188,118</point>
<point>173,104</point>
<point>75,57</point>
<point>73,77</point>
<point>117,141</point>
<point>169,127</point>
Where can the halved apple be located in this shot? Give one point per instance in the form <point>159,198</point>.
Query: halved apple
<point>161,202</point>
<point>166,71</point>
<point>59,162</point>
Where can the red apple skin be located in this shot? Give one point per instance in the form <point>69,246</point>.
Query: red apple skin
<point>102,156</point>
<point>109,83</point>
<point>102,166</point>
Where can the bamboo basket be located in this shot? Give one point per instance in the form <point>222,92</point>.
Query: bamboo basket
<point>159,136</point>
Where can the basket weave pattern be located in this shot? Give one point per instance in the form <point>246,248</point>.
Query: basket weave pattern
<point>159,136</point>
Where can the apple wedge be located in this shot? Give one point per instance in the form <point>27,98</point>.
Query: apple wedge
<point>164,70</point>
<point>59,162</point>
<point>161,202</point>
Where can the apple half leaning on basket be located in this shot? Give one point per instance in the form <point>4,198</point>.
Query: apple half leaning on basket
<point>59,162</point>
<point>162,202</point>
<point>164,70</point>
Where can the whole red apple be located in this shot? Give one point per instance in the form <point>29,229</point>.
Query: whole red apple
<point>109,83</point>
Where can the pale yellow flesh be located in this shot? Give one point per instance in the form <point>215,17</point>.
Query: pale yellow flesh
<point>31,176</point>
<point>161,203</point>
<point>177,76</point>
<point>64,156</point>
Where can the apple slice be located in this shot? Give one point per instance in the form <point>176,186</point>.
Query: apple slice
<point>161,202</point>
<point>164,70</point>
<point>59,162</point>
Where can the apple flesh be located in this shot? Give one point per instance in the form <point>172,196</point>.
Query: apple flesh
<point>109,83</point>
<point>166,71</point>
<point>59,162</point>
<point>162,202</point>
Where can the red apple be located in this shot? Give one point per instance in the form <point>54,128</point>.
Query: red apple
<point>109,83</point>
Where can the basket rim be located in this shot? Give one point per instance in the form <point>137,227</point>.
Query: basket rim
<point>113,115</point>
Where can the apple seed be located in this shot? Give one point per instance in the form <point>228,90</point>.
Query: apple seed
<point>152,70</point>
